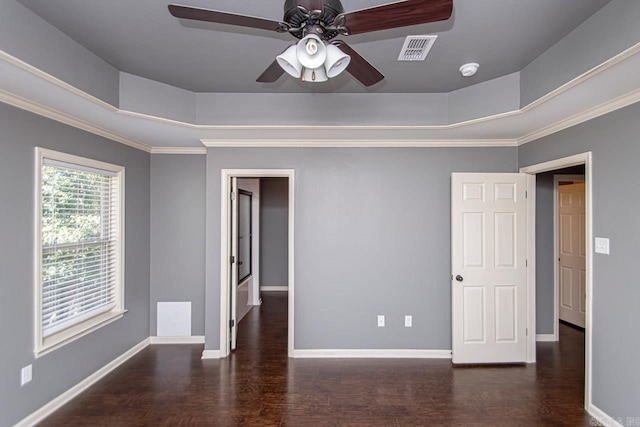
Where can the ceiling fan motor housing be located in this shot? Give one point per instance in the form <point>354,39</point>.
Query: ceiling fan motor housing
<point>312,17</point>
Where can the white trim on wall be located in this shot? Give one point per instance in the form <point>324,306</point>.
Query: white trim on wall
<point>350,143</point>
<point>546,337</point>
<point>179,150</point>
<point>373,354</point>
<point>565,162</point>
<point>606,107</point>
<point>194,339</point>
<point>67,119</point>
<point>225,185</point>
<point>212,354</point>
<point>603,418</point>
<point>64,398</point>
<point>531,268</point>
<point>274,288</point>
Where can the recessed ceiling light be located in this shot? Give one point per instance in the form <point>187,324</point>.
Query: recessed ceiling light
<point>469,69</point>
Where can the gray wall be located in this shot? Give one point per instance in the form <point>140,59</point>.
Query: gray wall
<point>59,370</point>
<point>371,237</point>
<point>274,232</point>
<point>613,140</point>
<point>25,35</point>
<point>177,238</point>
<point>613,29</point>
<point>544,253</point>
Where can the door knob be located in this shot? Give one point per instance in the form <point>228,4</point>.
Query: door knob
<point>459,278</point>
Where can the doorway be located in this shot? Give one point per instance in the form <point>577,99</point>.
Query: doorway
<point>228,251</point>
<point>584,160</point>
<point>569,250</point>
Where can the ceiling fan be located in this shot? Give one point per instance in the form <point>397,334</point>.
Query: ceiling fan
<point>317,56</point>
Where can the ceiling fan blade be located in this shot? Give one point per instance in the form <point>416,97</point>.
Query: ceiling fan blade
<point>271,74</point>
<point>359,67</point>
<point>208,15</point>
<point>398,14</point>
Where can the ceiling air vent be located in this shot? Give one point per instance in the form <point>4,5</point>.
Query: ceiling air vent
<point>416,48</point>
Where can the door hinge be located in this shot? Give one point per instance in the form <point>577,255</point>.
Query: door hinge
<point>232,323</point>
<point>233,195</point>
<point>526,263</point>
<point>526,194</point>
<point>526,331</point>
<point>232,259</point>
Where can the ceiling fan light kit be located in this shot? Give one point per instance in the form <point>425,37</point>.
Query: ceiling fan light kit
<point>312,60</point>
<point>316,58</point>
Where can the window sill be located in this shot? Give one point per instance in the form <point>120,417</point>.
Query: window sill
<point>57,340</point>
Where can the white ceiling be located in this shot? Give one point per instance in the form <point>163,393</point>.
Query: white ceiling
<point>140,37</point>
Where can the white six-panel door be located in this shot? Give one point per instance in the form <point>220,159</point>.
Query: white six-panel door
<point>571,252</point>
<point>489,278</point>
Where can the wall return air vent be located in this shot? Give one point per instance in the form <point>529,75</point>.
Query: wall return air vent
<point>416,48</point>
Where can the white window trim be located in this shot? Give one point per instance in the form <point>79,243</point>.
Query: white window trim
<point>46,345</point>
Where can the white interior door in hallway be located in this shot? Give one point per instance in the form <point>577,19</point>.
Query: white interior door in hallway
<point>489,276</point>
<point>571,252</point>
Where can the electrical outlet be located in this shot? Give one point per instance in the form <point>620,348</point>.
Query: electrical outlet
<point>380,320</point>
<point>26,375</point>
<point>408,321</point>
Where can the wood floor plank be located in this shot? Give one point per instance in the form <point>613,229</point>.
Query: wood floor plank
<point>170,385</point>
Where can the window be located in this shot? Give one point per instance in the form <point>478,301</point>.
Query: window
<point>79,247</point>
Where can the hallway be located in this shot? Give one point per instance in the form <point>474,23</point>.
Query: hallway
<point>259,386</point>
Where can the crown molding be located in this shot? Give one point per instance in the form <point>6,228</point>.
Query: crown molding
<point>59,116</point>
<point>597,111</point>
<point>54,80</point>
<point>178,150</point>
<point>288,141</point>
<point>351,143</point>
<point>614,60</point>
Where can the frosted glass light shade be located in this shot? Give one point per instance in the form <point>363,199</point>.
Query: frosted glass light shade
<point>288,60</point>
<point>337,61</point>
<point>311,51</point>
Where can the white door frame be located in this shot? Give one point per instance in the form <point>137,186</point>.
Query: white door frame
<point>556,250</point>
<point>226,175</point>
<point>575,160</point>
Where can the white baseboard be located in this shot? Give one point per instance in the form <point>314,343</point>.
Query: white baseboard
<point>211,354</point>
<point>274,288</point>
<point>603,418</point>
<point>367,353</point>
<point>195,339</point>
<point>74,391</point>
<point>546,337</point>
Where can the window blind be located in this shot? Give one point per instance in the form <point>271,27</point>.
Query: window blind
<point>79,244</point>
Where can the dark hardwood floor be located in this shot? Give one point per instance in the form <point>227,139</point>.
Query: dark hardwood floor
<point>259,386</point>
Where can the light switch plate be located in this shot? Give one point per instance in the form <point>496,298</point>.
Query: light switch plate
<point>602,245</point>
<point>380,320</point>
<point>26,375</point>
